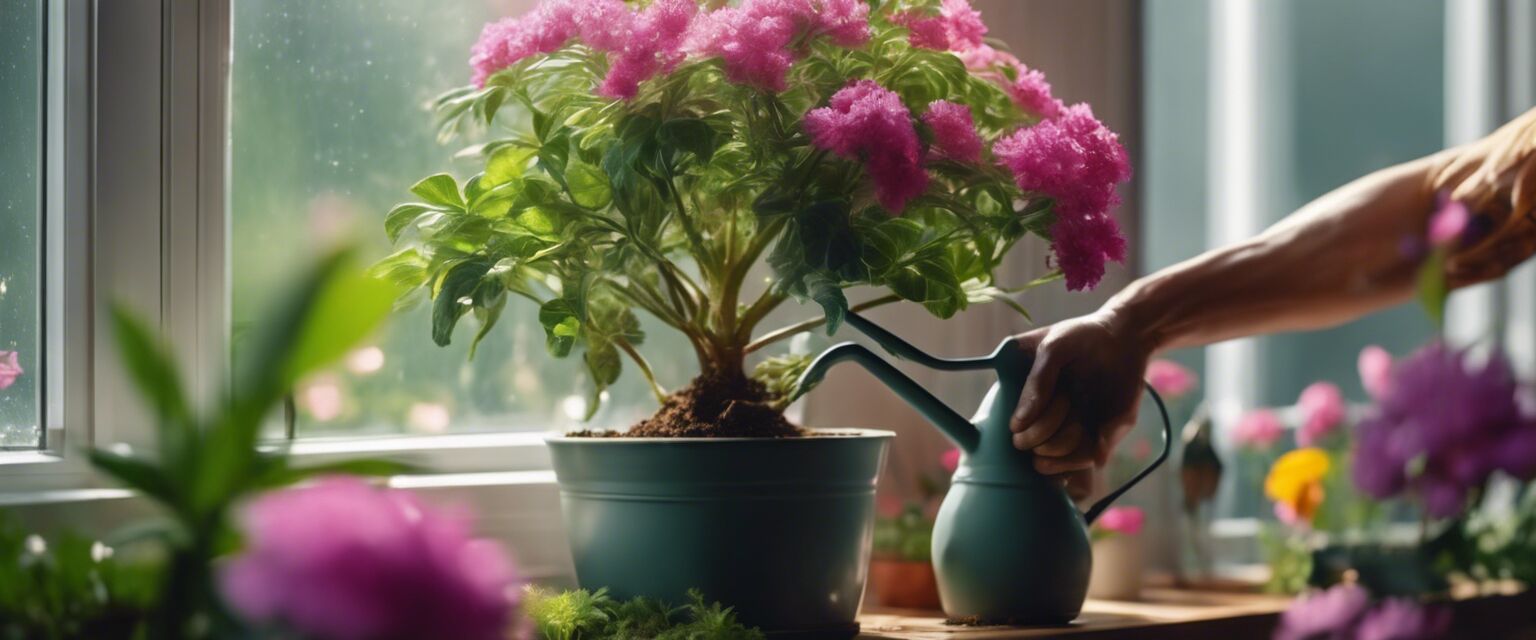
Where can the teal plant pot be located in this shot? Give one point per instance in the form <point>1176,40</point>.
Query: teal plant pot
<point>780,529</point>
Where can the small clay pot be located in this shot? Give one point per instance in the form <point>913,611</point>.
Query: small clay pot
<point>1118,566</point>
<point>903,584</point>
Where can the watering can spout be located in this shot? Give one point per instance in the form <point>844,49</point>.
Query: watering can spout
<point>957,428</point>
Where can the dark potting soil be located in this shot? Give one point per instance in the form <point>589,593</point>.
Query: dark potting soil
<point>712,406</point>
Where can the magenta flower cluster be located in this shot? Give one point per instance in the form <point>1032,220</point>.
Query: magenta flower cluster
<point>957,27</point>
<point>756,40</point>
<point>954,132</point>
<point>867,122</point>
<point>642,43</point>
<point>1079,162</point>
<point>1446,422</point>
<point>341,560</point>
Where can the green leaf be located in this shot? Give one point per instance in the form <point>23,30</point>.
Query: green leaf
<point>506,164</point>
<point>827,292</point>
<point>453,298</point>
<point>405,268</point>
<point>691,135</point>
<point>151,369</point>
<point>589,185</point>
<point>350,304</point>
<point>402,217</point>
<point>282,474</point>
<point>440,189</point>
<point>487,314</point>
<point>561,319</point>
<point>603,364</point>
<point>1432,288</point>
<point>136,474</point>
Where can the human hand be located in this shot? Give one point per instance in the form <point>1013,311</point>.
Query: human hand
<point>1081,396</point>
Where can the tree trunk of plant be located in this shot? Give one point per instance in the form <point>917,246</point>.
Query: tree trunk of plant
<point>723,402</point>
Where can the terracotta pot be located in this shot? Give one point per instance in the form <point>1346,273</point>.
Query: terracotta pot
<point>903,584</point>
<point>1117,568</point>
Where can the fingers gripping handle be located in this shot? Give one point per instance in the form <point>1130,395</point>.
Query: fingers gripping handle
<point>1098,508</point>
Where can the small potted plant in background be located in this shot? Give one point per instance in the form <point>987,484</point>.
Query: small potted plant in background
<point>645,158</point>
<point>1119,562</point>
<point>901,565</point>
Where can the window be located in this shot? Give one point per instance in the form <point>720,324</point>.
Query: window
<point>328,130</point>
<point>22,53</point>
<point>1253,110</point>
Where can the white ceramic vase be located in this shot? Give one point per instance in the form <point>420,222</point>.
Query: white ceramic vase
<point>1118,566</point>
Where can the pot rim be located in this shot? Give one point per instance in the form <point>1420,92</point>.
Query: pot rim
<point>821,434</point>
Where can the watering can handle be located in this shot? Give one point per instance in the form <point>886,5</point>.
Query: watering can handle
<point>1098,508</point>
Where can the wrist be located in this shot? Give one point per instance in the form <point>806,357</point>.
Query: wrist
<point>1134,315</point>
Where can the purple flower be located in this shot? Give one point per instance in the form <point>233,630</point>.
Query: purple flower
<point>341,560</point>
<point>1330,615</point>
<point>1445,423</point>
<point>1402,619</point>
<point>10,368</point>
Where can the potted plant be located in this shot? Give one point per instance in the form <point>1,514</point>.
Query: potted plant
<point>1118,554</point>
<point>901,567</point>
<point>645,157</point>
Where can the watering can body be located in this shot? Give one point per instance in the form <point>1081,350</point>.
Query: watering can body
<point>1009,546</point>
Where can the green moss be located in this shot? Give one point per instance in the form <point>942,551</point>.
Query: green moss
<point>584,615</point>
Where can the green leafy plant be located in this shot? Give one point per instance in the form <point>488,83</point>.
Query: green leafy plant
<point>70,587</point>
<point>667,202</point>
<point>583,615</point>
<point>205,462</point>
<point>907,537</point>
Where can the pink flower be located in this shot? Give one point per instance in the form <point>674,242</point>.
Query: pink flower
<point>1170,378</point>
<point>1027,87</point>
<point>1448,222</point>
<point>1259,429</point>
<point>504,42</point>
<point>1403,619</point>
<point>964,24</point>
<point>1325,614</point>
<point>1375,366</point>
<point>1122,520</point>
<point>755,38</point>
<point>950,460</point>
<point>340,560</point>
<point>924,32</point>
<point>865,121</point>
<point>1079,162</point>
<point>954,133</point>
<point>1322,409</point>
<point>652,45</point>
<point>10,368</point>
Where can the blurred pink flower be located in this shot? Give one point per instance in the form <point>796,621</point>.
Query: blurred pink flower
<point>10,368</point>
<point>956,27</point>
<point>1122,520</point>
<point>1260,429</point>
<point>1403,619</point>
<point>341,560</point>
<point>1375,366</point>
<point>954,133</point>
<point>950,460</point>
<point>1322,409</point>
<point>506,41</point>
<point>1170,378</point>
<point>1326,614</point>
<point>865,121</point>
<point>1027,87</point>
<point>1078,162</point>
<point>1448,222</point>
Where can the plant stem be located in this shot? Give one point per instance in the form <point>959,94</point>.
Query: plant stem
<point>765,304</point>
<point>806,325</point>
<point>645,369</point>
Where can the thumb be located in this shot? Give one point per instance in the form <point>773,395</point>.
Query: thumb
<point>1039,388</point>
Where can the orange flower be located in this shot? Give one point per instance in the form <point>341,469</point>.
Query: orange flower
<point>1295,483</point>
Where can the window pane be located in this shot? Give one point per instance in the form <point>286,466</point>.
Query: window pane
<point>329,129</point>
<point>22,52</point>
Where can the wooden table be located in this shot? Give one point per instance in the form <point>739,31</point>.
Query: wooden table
<point>1487,614</point>
<point>1162,613</point>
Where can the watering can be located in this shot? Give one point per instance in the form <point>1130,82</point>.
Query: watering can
<point>1009,546</point>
